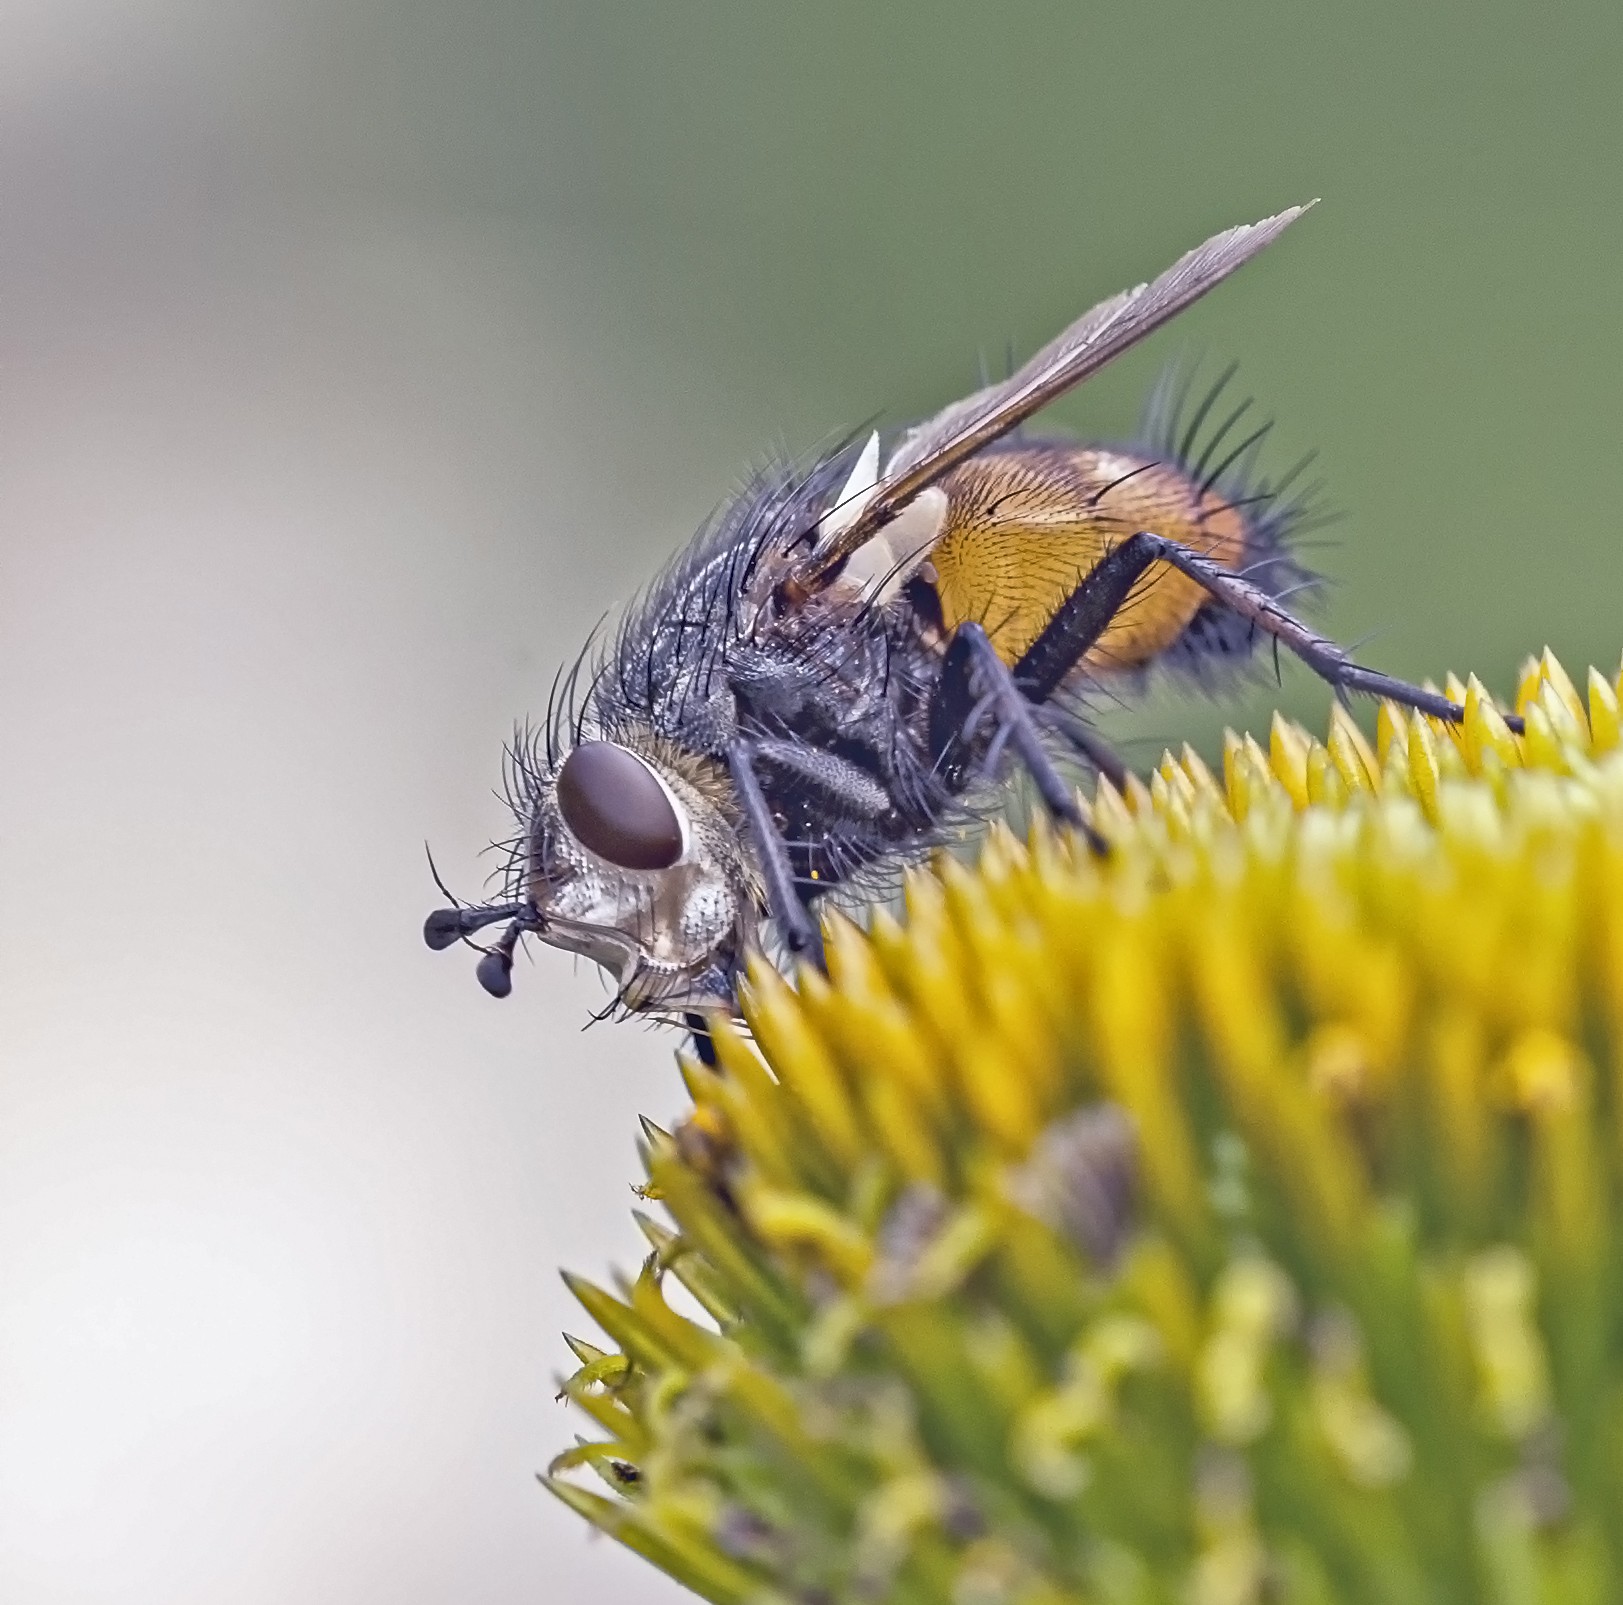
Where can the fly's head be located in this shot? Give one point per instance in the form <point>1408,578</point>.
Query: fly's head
<point>634,861</point>
<point>627,854</point>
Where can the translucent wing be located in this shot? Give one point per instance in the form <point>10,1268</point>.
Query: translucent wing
<point>959,431</point>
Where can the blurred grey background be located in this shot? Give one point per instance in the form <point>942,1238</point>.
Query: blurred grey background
<point>354,358</point>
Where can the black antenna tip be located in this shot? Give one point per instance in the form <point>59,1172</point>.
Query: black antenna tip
<point>443,927</point>
<point>495,972</point>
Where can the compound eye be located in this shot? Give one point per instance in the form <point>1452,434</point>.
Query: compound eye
<point>616,807</point>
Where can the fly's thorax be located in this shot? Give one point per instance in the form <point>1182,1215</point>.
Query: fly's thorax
<point>635,862</point>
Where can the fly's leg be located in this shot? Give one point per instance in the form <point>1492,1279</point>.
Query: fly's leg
<point>1087,742</point>
<point>1087,612</point>
<point>799,932</point>
<point>852,789</point>
<point>973,675</point>
<point>704,1047</point>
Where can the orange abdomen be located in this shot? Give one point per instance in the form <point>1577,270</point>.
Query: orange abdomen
<point>1025,525</point>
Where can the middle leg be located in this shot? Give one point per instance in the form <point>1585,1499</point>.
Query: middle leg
<point>973,676</point>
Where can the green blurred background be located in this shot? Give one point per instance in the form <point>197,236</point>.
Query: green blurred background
<point>767,223</point>
<point>354,357</point>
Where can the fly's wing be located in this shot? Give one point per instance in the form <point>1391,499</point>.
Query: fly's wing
<point>959,431</point>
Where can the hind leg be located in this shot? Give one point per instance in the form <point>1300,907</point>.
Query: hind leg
<point>1088,611</point>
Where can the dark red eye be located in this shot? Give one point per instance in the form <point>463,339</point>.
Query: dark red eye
<point>616,808</point>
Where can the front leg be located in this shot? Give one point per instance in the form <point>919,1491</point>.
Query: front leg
<point>800,933</point>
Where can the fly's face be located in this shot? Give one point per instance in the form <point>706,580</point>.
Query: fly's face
<point>631,861</point>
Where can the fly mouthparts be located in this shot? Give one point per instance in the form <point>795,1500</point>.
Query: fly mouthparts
<point>495,970</point>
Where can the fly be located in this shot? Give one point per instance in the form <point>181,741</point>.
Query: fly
<point>837,674</point>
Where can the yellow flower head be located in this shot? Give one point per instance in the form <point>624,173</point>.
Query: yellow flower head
<point>1233,1218</point>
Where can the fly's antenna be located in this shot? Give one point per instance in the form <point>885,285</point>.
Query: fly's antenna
<point>447,926</point>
